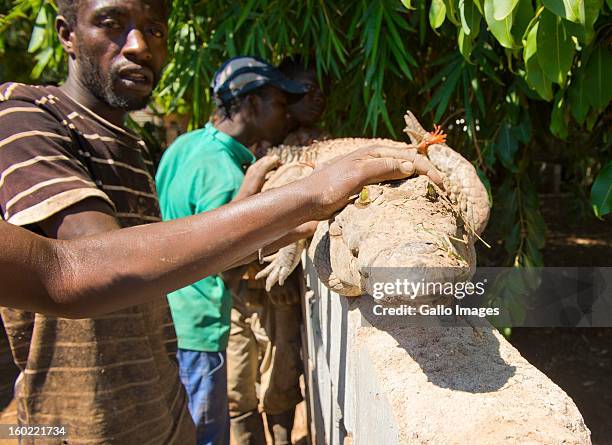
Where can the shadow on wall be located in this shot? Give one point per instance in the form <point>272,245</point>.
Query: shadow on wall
<point>451,353</point>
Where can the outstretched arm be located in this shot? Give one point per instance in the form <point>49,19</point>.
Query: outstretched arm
<point>112,270</point>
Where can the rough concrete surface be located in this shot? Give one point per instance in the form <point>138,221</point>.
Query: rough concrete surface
<point>462,385</point>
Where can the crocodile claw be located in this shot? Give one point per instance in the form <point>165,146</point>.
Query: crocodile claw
<point>282,263</point>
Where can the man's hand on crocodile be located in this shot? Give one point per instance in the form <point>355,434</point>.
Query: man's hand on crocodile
<point>256,176</point>
<point>344,177</point>
<point>398,224</point>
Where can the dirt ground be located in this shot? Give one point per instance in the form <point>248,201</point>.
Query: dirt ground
<point>578,360</point>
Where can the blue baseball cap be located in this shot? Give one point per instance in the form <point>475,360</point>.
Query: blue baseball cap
<point>241,75</point>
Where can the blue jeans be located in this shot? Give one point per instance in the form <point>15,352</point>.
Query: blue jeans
<point>204,375</point>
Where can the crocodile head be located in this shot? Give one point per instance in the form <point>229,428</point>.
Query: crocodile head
<point>407,231</point>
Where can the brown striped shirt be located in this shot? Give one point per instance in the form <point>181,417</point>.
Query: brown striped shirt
<point>112,379</point>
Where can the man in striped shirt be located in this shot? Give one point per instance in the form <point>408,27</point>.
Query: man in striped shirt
<point>68,168</point>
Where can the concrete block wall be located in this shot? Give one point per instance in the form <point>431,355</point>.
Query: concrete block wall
<point>374,380</point>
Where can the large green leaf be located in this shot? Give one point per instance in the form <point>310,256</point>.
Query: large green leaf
<point>572,10</point>
<point>592,8</point>
<point>577,97</point>
<point>592,118</point>
<point>506,146</point>
<point>501,29</point>
<point>408,4</point>
<point>585,32</point>
<point>555,48</point>
<point>522,131</point>
<point>601,192</point>
<point>42,60</point>
<point>465,44</point>
<point>503,8</point>
<point>534,76</point>
<point>507,205</point>
<point>37,38</point>
<point>523,15</point>
<point>559,116</point>
<point>437,13</point>
<point>513,239</point>
<point>470,18</point>
<point>597,77</point>
<point>536,227</point>
<point>451,12</point>
<point>531,45</point>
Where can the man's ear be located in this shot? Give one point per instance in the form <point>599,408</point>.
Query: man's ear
<point>252,105</point>
<point>66,35</point>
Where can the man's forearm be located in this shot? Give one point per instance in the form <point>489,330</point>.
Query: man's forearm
<point>301,232</point>
<point>112,269</point>
<point>135,263</point>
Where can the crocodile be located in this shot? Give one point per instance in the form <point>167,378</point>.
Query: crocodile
<point>410,228</point>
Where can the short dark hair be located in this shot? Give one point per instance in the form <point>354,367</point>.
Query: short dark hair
<point>68,9</point>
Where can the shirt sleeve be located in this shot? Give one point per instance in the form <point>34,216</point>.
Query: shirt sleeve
<point>41,172</point>
<point>209,201</point>
<point>214,183</point>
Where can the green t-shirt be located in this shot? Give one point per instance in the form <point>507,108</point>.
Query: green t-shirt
<point>200,171</point>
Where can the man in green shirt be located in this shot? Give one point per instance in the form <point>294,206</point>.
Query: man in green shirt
<point>203,170</point>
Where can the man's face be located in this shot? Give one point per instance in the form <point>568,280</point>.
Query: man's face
<point>308,110</point>
<point>120,49</point>
<point>270,118</point>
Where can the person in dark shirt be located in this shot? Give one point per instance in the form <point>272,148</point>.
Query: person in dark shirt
<point>263,353</point>
<point>304,115</point>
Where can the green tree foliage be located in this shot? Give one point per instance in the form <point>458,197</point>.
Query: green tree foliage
<point>514,82</point>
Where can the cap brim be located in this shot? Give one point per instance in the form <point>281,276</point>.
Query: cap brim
<point>289,86</point>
